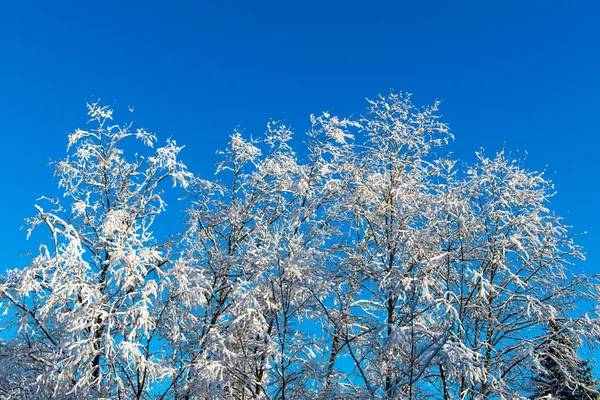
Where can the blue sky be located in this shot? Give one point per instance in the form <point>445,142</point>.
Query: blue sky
<point>522,75</point>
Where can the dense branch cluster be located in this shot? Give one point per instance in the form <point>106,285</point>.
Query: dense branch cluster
<point>362,266</point>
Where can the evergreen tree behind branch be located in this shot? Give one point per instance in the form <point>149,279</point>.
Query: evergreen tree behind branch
<point>563,374</point>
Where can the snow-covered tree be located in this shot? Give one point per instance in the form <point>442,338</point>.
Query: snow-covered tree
<point>400,316</point>
<point>366,264</point>
<point>507,273</point>
<point>563,374</point>
<point>86,316</point>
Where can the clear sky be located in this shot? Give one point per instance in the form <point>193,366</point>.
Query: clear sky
<point>522,75</point>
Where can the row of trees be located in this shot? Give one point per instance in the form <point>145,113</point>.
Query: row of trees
<point>368,266</point>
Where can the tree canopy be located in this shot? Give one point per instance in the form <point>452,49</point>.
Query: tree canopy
<point>368,264</point>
